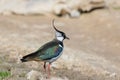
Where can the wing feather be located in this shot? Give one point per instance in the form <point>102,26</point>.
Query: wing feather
<point>46,52</point>
<point>51,52</point>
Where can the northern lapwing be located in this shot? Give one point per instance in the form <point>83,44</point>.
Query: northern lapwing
<point>50,51</point>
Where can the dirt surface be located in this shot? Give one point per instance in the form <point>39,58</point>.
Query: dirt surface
<point>92,53</point>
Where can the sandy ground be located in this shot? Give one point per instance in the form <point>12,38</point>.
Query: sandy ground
<point>92,53</point>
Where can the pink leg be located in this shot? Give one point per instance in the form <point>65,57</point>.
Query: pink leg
<point>49,70</point>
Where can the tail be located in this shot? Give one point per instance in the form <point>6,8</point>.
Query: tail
<point>23,60</point>
<point>28,57</point>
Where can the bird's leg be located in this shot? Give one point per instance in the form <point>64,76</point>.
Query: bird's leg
<point>49,70</point>
<point>44,66</point>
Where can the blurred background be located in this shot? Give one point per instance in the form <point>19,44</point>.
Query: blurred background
<point>92,53</point>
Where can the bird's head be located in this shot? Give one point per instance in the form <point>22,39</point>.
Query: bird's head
<point>59,34</point>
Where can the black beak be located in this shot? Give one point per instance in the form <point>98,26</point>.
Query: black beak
<point>67,38</point>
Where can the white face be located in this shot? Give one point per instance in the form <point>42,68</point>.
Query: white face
<point>59,36</point>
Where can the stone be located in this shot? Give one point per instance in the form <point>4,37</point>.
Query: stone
<point>33,75</point>
<point>75,13</point>
<point>75,7</point>
<point>44,7</point>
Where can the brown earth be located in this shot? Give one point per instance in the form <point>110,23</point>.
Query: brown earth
<point>92,53</point>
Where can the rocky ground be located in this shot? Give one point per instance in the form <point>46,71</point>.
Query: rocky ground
<point>92,53</point>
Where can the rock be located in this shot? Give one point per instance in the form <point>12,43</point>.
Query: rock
<point>73,8</point>
<point>113,75</point>
<point>113,3</point>
<point>75,13</point>
<point>25,7</point>
<point>57,78</point>
<point>33,75</point>
<point>58,7</point>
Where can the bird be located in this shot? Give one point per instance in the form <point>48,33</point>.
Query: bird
<point>49,52</point>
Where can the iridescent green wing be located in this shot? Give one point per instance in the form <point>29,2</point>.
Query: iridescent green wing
<point>51,52</point>
<point>46,52</point>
